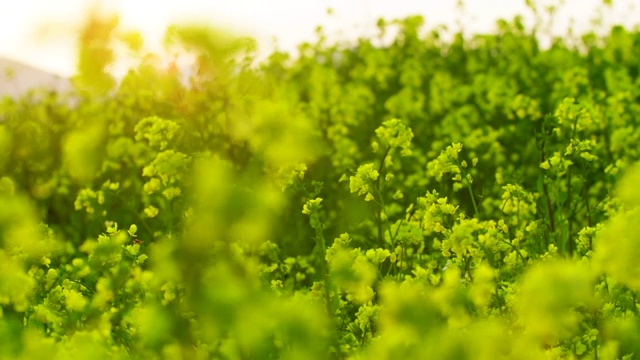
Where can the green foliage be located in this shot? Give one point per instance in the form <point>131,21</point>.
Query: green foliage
<point>419,198</point>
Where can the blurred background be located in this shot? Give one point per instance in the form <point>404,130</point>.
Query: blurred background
<point>39,34</point>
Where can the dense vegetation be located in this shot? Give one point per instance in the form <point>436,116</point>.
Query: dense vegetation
<point>472,198</point>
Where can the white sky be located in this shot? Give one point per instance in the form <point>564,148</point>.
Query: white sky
<point>38,31</point>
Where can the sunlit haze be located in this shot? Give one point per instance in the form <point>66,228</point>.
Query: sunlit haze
<point>39,32</point>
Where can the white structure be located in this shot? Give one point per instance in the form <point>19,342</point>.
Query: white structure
<point>17,78</point>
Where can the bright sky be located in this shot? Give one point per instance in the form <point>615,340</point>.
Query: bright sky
<point>37,31</point>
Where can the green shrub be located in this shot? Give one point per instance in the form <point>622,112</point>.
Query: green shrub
<point>473,198</point>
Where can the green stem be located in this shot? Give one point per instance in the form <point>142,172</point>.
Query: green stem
<point>570,244</point>
<point>570,240</point>
<point>545,190</point>
<point>467,267</point>
<point>83,285</point>
<point>400,258</point>
<point>134,213</point>
<point>518,212</point>
<point>465,174</point>
<point>378,187</point>
<point>321,244</point>
<point>516,250</point>
<point>383,210</point>
<point>473,199</point>
<point>393,239</point>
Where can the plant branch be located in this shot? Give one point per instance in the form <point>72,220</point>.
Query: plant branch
<point>378,188</point>
<point>545,190</point>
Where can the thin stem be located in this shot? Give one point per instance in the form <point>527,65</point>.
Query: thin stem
<point>473,199</point>
<point>466,176</point>
<point>467,266</point>
<point>134,212</point>
<point>516,250</point>
<point>585,193</point>
<point>399,262</point>
<point>510,198</point>
<point>325,274</point>
<point>381,204</point>
<point>383,210</point>
<point>589,222</point>
<point>518,212</point>
<point>393,239</point>
<point>545,190</point>
<point>569,216</point>
<point>83,285</point>
<point>395,235</point>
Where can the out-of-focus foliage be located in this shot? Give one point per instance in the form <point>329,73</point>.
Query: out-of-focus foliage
<point>474,198</point>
